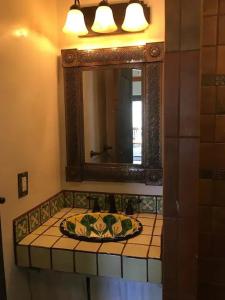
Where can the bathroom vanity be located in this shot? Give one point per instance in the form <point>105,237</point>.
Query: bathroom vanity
<point>39,242</point>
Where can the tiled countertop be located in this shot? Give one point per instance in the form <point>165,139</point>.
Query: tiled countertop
<point>135,259</point>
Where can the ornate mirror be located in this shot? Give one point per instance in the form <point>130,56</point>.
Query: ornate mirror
<point>113,105</point>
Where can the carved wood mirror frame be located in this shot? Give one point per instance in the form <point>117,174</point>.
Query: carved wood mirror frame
<point>150,58</point>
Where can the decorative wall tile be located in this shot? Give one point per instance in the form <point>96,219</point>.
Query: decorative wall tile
<point>148,204</point>
<point>60,199</point>
<point>34,219</point>
<point>45,212</point>
<point>81,200</point>
<point>56,203</point>
<point>160,205</point>
<point>118,201</point>
<point>210,7</point>
<point>68,199</point>
<point>21,227</point>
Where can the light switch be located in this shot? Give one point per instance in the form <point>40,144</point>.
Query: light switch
<point>22,184</point>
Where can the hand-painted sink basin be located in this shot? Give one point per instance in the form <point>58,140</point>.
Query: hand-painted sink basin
<point>100,227</point>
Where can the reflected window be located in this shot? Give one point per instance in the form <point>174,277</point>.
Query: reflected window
<point>137,115</point>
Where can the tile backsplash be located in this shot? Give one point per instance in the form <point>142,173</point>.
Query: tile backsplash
<point>28,222</point>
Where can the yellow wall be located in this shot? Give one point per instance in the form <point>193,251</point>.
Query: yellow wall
<point>29,133</point>
<point>154,33</point>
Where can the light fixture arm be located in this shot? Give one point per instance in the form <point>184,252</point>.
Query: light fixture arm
<point>104,3</point>
<point>76,5</point>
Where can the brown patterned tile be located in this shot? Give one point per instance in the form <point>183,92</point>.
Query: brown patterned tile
<point>170,176</point>
<point>220,104</point>
<point>205,219</point>
<point>206,156</point>
<point>219,156</point>
<point>209,31</point>
<point>221,30</point>
<point>218,222</point>
<point>212,270</point>
<point>219,193</point>
<point>207,128</point>
<point>208,100</point>
<point>220,129</point>
<point>211,291</point>
<point>221,60</point>
<point>171,102</point>
<point>169,260</point>
<point>188,177</point>
<point>189,94</point>
<point>218,245</point>
<point>190,25</point>
<point>172,25</point>
<point>222,7</point>
<point>205,191</point>
<point>187,257</point>
<point>210,7</point>
<point>208,60</point>
<point>205,244</point>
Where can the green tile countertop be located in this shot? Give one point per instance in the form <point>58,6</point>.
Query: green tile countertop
<point>138,258</point>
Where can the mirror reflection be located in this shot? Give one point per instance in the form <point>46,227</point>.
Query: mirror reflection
<point>113,104</point>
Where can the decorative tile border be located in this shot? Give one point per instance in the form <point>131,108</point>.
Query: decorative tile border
<point>21,227</point>
<point>28,222</point>
<point>213,80</point>
<point>34,219</point>
<point>45,212</point>
<point>212,174</point>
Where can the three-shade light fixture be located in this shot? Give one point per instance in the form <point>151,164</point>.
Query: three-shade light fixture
<point>104,22</point>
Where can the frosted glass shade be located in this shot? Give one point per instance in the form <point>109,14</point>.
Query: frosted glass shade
<point>75,23</point>
<point>104,20</point>
<point>134,18</point>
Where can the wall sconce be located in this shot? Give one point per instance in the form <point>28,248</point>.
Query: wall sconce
<point>134,18</point>
<point>107,19</point>
<point>75,21</point>
<point>104,20</point>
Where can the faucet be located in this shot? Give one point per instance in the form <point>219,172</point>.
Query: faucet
<point>96,206</point>
<point>112,204</point>
<point>129,208</point>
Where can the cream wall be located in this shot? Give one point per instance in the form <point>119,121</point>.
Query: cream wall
<point>154,33</point>
<point>29,133</point>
